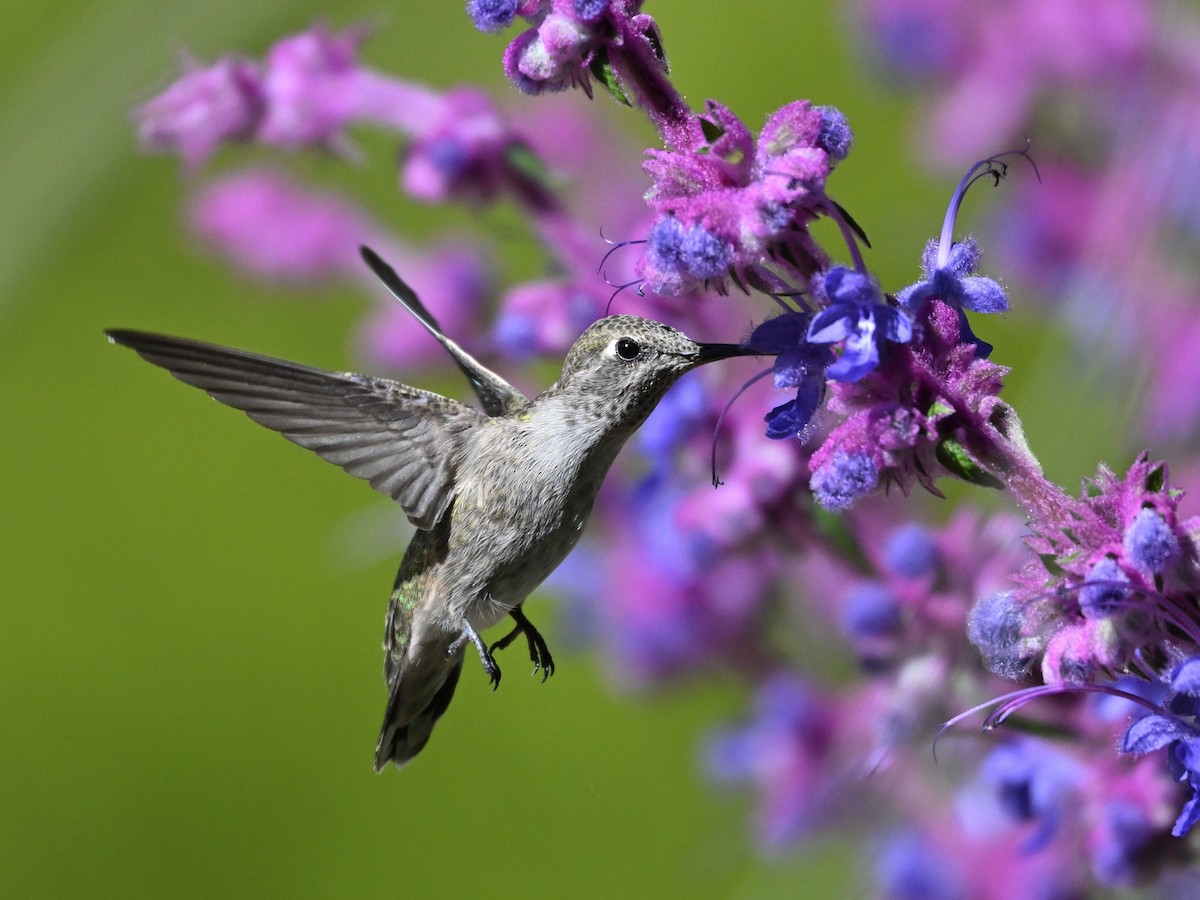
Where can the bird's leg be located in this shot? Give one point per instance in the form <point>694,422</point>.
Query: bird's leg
<point>539,653</point>
<point>485,656</point>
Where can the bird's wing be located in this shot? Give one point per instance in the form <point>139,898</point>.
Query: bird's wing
<point>406,442</point>
<point>496,395</point>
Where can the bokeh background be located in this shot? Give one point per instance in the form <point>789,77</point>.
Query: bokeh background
<point>191,609</point>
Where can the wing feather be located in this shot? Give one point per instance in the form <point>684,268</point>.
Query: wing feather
<point>404,441</point>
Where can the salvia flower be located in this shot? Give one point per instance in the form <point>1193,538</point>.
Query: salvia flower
<point>310,88</point>
<point>729,205</point>
<point>1149,542</point>
<point>911,552</point>
<point>951,282</point>
<point>1176,728</point>
<point>948,267</point>
<point>271,226</point>
<point>858,316</point>
<point>799,365</point>
<point>1034,784</point>
<point>843,479</point>
<point>204,108</point>
<point>492,15</point>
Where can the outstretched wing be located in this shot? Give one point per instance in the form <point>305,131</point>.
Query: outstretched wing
<point>406,442</point>
<point>496,395</point>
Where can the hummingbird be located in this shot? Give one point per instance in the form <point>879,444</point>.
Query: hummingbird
<point>499,496</point>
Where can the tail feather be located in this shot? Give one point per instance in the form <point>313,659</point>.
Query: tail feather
<point>400,741</point>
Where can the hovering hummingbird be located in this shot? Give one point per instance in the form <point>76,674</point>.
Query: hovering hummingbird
<point>498,497</point>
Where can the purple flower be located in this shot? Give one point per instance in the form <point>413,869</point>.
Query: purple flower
<point>948,266</point>
<point>857,316</point>
<point>705,255</point>
<point>872,619</point>
<point>1182,741</point>
<point>1102,593</point>
<point>1176,729</point>
<point>871,610</point>
<point>799,365</point>
<point>275,229</point>
<point>835,137</point>
<point>492,15</point>
<point>1149,542</point>
<point>843,479</point>
<point>551,56</point>
<point>907,868</point>
<point>544,317</point>
<point>203,109</point>
<point>459,152</point>
<point>782,752</point>
<point>590,10</point>
<point>911,552</point>
<point>995,626</point>
<point>674,419</point>
<point>948,278</point>
<point>1119,850</point>
<point>1033,784</point>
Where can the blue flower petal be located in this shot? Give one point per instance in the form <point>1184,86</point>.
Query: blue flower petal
<point>1189,817</point>
<point>791,419</point>
<point>963,257</point>
<point>1185,677</point>
<point>776,335</point>
<point>915,296</point>
<point>983,295</point>
<point>860,355</point>
<point>894,324</point>
<point>1154,732</point>
<point>844,285</point>
<point>833,324</point>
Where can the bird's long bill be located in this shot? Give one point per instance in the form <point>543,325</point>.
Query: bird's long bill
<point>713,352</point>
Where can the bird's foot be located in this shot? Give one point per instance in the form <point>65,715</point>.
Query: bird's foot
<point>539,652</point>
<point>485,655</point>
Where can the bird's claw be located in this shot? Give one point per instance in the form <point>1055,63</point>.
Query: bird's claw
<point>539,652</point>
<point>485,655</point>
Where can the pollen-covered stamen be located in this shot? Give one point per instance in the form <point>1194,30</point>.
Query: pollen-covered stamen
<point>992,167</point>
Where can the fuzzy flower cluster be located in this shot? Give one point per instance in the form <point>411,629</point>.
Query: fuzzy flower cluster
<point>799,560</point>
<point>728,207</point>
<point>1110,604</point>
<point>1119,205</point>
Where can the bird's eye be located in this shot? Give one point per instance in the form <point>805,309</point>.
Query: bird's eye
<point>628,349</point>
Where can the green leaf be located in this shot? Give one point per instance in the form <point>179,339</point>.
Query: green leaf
<point>938,410</point>
<point>607,76</point>
<point>1157,478</point>
<point>954,457</point>
<point>1050,562</point>
<point>711,130</point>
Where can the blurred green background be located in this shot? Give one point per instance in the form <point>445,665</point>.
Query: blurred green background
<point>189,657</point>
